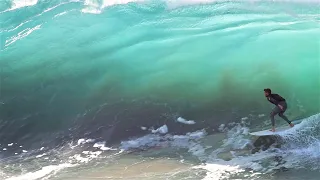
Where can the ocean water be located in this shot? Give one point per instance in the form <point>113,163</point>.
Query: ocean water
<point>166,89</point>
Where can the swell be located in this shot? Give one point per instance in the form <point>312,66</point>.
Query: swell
<point>138,65</point>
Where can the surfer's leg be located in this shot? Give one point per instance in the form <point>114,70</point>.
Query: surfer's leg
<point>284,117</point>
<point>272,119</point>
<point>274,112</point>
<point>284,105</point>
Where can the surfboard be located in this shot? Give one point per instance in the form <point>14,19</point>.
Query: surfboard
<point>268,132</point>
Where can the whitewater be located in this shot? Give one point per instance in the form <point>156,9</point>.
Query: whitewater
<point>158,89</point>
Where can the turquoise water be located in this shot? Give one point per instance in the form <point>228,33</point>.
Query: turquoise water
<point>106,68</point>
<point>61,58</point>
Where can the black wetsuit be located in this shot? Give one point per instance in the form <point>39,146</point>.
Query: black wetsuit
<point>278,100</point>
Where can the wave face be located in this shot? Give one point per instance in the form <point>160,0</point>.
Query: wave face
<point>105,68</point>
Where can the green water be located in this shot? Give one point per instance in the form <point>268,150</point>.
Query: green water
<point>57,61</point>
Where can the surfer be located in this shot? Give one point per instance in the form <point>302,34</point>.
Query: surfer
<point>281,107</point>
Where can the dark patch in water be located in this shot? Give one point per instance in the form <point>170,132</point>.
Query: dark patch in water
<point>265,142</point>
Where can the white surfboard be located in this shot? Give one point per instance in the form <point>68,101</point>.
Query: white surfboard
<point>269,133</point>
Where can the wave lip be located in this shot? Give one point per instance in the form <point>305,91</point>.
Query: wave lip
<point>17,4</point>
<point>96,7</point>
<point>23,3</point>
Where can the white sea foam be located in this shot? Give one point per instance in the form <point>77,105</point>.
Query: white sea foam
<point>150,140</point>
<point>21,35</point>
<point>222,128</point>
<point>101,145</point>
<point>244,118</point>
<point>184,121</point>
<point>162,130</point>
<point>84,141</point>
<point>43,172</point>
<point>218,171</point>
<point>172,4</point>
<point>60,14</point>
<point>85,156</point>
<point>81,141</point>
<point>96,7</point>
<point>74,160</point>
<point>41,155</point>
<point>16,4</point>
<point>188,141</point>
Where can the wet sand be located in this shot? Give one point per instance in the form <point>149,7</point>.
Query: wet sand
<point>134,168</point>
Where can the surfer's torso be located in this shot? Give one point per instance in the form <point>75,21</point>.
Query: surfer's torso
<point>275,99</point>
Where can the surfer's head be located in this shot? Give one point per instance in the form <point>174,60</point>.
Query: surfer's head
<point>267,92</point>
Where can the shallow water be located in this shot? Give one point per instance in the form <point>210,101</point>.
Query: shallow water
<point>135,169</point>
<point>221,156</point>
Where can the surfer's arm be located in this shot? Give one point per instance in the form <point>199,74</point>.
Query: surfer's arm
<point>281,107</point>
